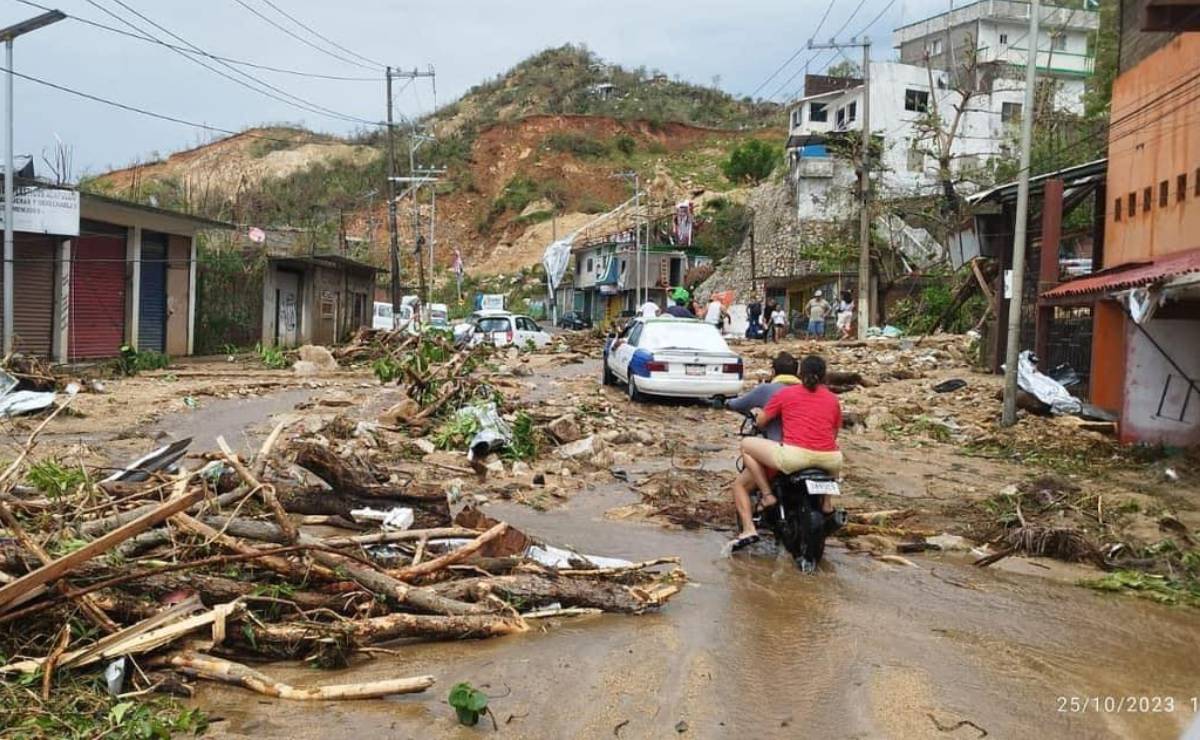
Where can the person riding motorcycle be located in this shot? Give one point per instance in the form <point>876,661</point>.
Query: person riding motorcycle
<point>784,368</point>
<point>812,418</point>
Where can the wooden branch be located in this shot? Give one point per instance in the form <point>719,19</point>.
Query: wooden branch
<point>264,453</point>
<point>536,589</point>
<point>226,671</point>
<point>450,558</point>
<point>65,564</point>
<point>280,565</point>
<point>266,491</point>
<point>294,639</point>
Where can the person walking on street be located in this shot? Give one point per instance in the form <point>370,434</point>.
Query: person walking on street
<point>845,315</point>
<point>779,323</point>
<point>768,327</point>
<point>753,316</point>
<point>818,309</point>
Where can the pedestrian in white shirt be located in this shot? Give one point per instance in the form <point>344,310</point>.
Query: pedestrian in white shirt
<point>650,310</point>
<point>713,314</point>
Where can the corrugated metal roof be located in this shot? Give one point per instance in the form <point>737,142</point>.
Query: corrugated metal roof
<point>1135,275</point>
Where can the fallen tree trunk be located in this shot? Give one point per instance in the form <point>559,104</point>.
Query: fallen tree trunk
<point>347,480</point>
<point>450,558</point>
<point>297,639</point>
<point>533,590</point>
<point>226,671</point>
<point>218,589</point>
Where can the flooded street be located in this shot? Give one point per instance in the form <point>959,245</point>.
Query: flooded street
<point>865,648</point>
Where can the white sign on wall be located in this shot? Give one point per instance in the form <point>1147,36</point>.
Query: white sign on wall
<point>46,211</point>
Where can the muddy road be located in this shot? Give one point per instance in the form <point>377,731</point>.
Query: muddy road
<point>865,648</point>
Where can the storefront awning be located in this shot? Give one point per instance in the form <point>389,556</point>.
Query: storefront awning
<point>1128,276</point>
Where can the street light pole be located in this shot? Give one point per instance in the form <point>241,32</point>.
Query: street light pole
<point>8,35</point>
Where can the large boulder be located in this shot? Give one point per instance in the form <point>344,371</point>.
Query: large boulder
<point>564,429</point>
<point>319,356</point>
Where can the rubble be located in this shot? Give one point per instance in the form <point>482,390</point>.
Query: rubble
<point>172,561</point>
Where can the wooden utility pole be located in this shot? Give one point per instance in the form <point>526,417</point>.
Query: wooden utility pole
<point>1012,349</point>
<point>394,249</point>
<point>864,180</point>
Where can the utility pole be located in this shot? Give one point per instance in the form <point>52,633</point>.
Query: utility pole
<point>394,249</point>
<point>864,179</point>
<point>393,229</point>
<point>1012,349</point>
<point>7,35</point>
<point>639,290</point>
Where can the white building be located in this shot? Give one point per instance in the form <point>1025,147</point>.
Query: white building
<point>925,79</point>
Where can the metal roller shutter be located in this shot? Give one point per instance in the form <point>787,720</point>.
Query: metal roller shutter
<point>97,318</point>
<point>152,297</point>
<point>33,294</point>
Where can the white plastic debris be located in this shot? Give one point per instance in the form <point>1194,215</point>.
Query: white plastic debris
<point>114,676</point>
<point>556,557</point>
<point>397,518</point>
<point>16,403</point>
<point>1046,389</point>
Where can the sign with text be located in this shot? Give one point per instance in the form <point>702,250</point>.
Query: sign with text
<point>46,211</point>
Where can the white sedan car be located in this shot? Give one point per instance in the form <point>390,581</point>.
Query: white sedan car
<point>682,358</point>
<point>506,329</point>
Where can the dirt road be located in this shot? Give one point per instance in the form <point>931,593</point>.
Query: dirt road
<point>865,648</point>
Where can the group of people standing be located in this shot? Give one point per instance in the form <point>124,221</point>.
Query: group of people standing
<point>769,321</point>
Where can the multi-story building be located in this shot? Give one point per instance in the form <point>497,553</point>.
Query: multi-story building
<point>1145,296</point>
<point>612,277</point>
<point>980,50</point>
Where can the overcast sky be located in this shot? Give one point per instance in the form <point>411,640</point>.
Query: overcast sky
<point>742,41</point>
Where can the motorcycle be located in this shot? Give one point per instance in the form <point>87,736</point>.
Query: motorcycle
<point>796,519</point>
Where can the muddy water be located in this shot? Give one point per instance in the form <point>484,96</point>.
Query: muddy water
<point>862,649</point>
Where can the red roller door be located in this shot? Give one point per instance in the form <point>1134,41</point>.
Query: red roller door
<point>33,294</point>
<point>97,315</point>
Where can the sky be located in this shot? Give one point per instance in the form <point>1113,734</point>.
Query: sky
<point>740,43</point>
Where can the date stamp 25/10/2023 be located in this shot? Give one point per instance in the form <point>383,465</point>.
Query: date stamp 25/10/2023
<point>1128,704</point>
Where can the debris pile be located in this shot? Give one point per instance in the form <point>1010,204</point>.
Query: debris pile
<point>323,545</point>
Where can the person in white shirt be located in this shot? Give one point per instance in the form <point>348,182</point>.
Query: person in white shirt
<point>712,314</point>
<point>650,310</point>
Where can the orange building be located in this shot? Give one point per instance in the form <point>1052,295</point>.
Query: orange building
<point>1146,293</point>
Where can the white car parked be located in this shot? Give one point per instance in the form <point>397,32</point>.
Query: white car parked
<point>384,319</point>
<point>681,358</point>
<point>503,329</point>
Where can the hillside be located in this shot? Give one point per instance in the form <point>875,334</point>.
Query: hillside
<point>533,151</point>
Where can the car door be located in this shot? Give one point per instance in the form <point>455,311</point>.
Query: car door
<point>535,332</point>
<point>624,353</point>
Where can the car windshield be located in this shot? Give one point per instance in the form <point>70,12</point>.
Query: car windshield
<point>384,310</point>
<point>493,324</point>
<point>681,335</point>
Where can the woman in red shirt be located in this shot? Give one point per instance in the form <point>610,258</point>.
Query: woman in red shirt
<point>812,417</point>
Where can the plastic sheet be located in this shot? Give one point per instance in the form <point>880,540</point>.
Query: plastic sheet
<point>1046,389</point>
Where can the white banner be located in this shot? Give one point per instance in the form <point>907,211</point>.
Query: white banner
<point>46,211</point>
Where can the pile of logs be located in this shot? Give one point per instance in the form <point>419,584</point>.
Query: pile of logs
<point>184,573</point>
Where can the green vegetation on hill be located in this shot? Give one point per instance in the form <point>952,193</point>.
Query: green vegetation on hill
<point>572,80</point>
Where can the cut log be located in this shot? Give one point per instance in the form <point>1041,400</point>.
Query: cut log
<point>297,639</point>
<point>533,590</point>
<point>281,565</point>
<point>226,671</point>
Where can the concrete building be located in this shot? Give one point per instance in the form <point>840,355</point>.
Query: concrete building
<point>1145,296</point>
<point>315,299</point>
<point>905,93</point>
<point>93,274</point>
<point>610,276</point>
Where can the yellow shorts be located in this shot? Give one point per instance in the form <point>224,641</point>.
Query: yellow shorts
<point>789,459</point>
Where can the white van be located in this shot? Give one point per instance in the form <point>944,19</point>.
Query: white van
<point>384,319</point>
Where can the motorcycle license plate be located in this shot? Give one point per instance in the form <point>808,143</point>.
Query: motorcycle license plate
<point>695,369</point>
<point>824,488</point>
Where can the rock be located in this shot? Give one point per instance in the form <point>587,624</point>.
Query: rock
<point>582,449</point>
<point>305,369</point>
<point>564,429</point>
<point>948,542</point>
<point>520,467</point>
<point>337,400</point>
<point>879,417</point>
<point>522,371</point>
<point>888,358</point>
<point>400,412</point>
<point>495,467</point>
<point>318,356</point>
<point>424,445</point>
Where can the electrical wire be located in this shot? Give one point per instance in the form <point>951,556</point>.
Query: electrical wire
<point>301,39</point>
<point>230,60</point>
<point>324,38</point>
<point>283,96</point>
<point>799,51</point>
<point>153,114</point>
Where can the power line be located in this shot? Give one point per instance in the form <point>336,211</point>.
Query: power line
<point>798,51</point>
<point>301,39</point>
<point>813,56</point>
<point>152,114</point>
<point>324,38</point>
<point>283,96</point>
<point>186,50</point>
<point>865,28</point>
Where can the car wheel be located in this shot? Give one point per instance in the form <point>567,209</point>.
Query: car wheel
<point>606,375</point>
<point>634,394</point>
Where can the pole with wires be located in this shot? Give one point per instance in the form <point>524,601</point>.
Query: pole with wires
<point>394,250</point>
<point>1013,345</point>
